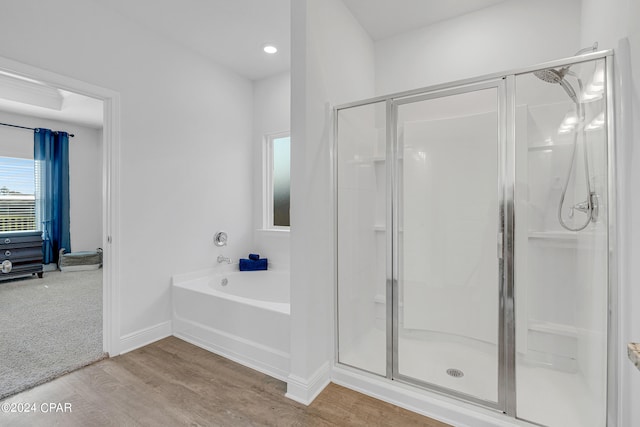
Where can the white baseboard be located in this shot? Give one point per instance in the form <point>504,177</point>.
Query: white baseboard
<point>304,390</point>
<point>145,336</point>
<point>264,359</point>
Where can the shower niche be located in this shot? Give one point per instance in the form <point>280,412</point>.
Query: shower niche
<point>473,240</point>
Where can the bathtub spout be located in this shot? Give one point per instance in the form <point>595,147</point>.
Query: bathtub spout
<point>222,259</point>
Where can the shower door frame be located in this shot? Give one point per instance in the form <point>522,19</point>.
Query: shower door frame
<point>507,356</point>
<point>505,147</point>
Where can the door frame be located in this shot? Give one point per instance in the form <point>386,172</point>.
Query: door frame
<point>505,195</point>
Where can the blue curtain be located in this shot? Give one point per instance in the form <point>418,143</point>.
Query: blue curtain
<point>51,155</point>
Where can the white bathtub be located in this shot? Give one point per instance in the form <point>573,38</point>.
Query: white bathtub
<point>245,320</point>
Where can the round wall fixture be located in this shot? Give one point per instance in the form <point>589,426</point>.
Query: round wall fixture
<point>270,49</point>
<point>220,239</point>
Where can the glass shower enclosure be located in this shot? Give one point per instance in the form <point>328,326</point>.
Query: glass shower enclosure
<point>473,239</point>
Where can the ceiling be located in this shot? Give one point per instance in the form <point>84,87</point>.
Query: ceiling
<point>232,33</point>
<point>386,18</point>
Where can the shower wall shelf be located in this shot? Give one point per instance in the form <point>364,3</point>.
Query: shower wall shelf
<point>553,235</point>
<point>371,160</point>
<point>382,229</point>
<point>554,329</point>
<point>548,147</point>
<point>382,159</point>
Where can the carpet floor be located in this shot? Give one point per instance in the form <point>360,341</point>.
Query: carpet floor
<point>48,327</point>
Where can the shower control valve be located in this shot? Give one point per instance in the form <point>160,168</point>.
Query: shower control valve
<point>589,207</point>
<point>582,207</point>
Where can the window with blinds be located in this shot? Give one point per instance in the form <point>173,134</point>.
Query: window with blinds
<point>17,195</point>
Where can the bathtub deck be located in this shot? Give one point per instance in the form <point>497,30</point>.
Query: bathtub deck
<point>172,383</point>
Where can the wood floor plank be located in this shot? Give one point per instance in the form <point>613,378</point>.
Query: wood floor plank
<point>174,383</point>
<point>187,389</point>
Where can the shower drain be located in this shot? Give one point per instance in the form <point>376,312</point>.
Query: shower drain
<point>456,373</point>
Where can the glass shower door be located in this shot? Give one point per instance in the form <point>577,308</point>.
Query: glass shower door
<point>361,184</point>
<point>448,234</point>
<point>562,246</point>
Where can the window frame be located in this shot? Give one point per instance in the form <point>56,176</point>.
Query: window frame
<point>267,182</point>
<point>24,200</point>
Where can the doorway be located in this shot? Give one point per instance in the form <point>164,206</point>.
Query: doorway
<point>108,191</point>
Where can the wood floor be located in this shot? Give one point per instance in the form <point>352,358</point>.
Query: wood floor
<point>173,383</point>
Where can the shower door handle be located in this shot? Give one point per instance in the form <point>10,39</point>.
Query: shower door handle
<point>500,244</point>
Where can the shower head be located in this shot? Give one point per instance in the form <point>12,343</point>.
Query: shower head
<point>551,75</point>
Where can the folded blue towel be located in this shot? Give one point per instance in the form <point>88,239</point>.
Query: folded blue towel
<point>251,265</point>
<point>254,257</point>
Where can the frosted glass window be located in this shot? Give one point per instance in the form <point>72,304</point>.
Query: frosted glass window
<point>278,175</point>
<point>281,181</point>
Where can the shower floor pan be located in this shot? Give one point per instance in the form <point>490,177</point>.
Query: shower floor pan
<point>545,396</point>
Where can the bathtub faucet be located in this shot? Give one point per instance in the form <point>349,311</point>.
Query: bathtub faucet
<point>222,259</point>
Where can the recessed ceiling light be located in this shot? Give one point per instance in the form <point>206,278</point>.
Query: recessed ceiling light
<point>269,48</point>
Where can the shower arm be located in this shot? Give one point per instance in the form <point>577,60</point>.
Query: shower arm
<point>589,49</point>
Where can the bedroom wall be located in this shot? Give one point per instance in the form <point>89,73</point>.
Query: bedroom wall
<point>186,152</point>
<point>85,172</point>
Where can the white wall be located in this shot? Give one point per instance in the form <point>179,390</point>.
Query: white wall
<point>448,250</point>
<point>614,24</point>
<point>508,35</point>
<point>332,62</point>
<point>85,172</point>
<point>15,142</point>
<point>271,115</point>
<point>186,156</point>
